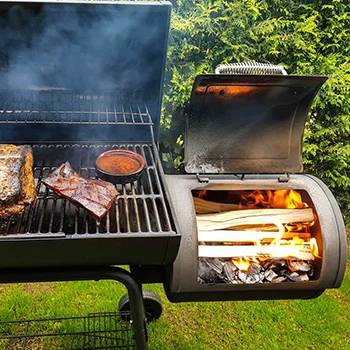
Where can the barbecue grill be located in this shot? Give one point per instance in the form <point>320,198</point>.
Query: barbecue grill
<point>78,79</point>
<point>81,78</point>
<point>116,111</point>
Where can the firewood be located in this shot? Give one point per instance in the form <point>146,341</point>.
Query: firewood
<point>246,236</point>
<point>203,206</point>
<point>217,221</point>
<point>294,252</point>
<point>261,228</point>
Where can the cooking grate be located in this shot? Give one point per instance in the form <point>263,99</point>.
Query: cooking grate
<point>141,206</point>
<point>70,108</point>
<point>95,331</point>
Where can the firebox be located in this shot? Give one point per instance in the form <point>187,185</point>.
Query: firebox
<point>253,227</point>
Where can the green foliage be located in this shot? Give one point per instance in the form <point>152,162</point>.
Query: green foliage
<point>308,38</point>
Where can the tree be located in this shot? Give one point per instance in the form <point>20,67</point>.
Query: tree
<point>308,38</point>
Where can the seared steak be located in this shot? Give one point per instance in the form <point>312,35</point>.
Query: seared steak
<point>96,196</point>
<point>17,185</point>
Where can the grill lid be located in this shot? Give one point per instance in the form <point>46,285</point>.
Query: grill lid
<point>85,46</point>
<point>248,123</point>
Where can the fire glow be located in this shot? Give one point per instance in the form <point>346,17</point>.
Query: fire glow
<point>256,228</point>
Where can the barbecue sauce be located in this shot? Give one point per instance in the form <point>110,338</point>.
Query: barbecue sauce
<point>118,164</point>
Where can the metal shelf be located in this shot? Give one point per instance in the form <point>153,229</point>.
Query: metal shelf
<point>60,107</point>
<point>94,331</point>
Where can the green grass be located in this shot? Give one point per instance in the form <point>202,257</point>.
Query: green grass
<point>322,323</point>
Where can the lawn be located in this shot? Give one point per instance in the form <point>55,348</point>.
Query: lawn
<point>322,323</point>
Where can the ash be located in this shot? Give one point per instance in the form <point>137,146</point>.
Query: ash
<point>214,270</point>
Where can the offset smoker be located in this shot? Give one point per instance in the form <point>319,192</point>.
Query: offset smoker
<point>249,128</point>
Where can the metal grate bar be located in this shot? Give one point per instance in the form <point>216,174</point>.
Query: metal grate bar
<point>141,206</point>
<point>69,108</point>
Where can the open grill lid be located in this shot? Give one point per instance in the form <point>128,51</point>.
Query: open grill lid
<point>248,123</point>
<point>110,47</point>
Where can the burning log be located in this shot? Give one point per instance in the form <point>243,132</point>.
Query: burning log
<point>293,251</point>
<point>246,236</point>
<point>217,221</point>
<point>261,228</point>
<point>203,206</point>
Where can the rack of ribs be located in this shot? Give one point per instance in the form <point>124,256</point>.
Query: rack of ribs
<point>96,196</point>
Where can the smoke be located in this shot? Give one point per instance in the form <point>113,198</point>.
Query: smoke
<point>81,47</point>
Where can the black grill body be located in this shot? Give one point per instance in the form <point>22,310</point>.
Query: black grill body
<point>182,283</point>
<point>79,79</point>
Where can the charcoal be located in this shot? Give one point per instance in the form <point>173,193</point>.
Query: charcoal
<point>270,275</point>
<point>277,266</point>
<point>215,264</point>
<point>261,276</point>
<point>229,271</point>
<point>254,269</point>
<point>300,266</point>
<point>242,275</point>
<point>200,281</point>
<point>310,273</point>
<point>253,273</point>
<point>279,279</point>
<point>206,273</point>
<point>284,272</point>
<point>249,279</point>
<point>252,279</point>
<point>304,277</point>
<point>266,264</point>
<point>294,276</point>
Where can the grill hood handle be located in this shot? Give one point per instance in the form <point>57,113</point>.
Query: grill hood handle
<point>250,68</point>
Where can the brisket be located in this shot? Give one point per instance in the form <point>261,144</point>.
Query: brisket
<point>17,185</point>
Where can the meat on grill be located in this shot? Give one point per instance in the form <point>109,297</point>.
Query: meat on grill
<point>96,196</point>
<point>17,185</point>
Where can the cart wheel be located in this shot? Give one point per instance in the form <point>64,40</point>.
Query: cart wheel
<point>152,304</point>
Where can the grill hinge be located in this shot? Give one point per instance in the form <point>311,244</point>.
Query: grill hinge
<point>284,178</point>
<point>201,179</point>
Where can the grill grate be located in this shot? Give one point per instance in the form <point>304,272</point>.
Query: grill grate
<point>50,107</point>
<point>141,206</point>
<point>95,331</point>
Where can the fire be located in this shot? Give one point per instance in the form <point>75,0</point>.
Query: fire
<point>279,199</point>
<point>273,199</point>
<point>242,263</point>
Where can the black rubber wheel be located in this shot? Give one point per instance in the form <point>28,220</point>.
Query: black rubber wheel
<point>152,304</point>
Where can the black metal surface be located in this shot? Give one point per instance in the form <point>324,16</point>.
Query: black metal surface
<point>87,45</point>
<point>248,123</point>
<point>182,276</point>
<point>84,274</point>
<point>95,331</point>
<point>138,229</point>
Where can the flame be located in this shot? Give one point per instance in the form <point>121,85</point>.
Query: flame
<point>242,263</point>
<point>202,194</point>
<point>274,199</point>
<point>278,199</point>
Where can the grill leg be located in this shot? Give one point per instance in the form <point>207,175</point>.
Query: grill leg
<point>136,307</point>
<point>84,274</point>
